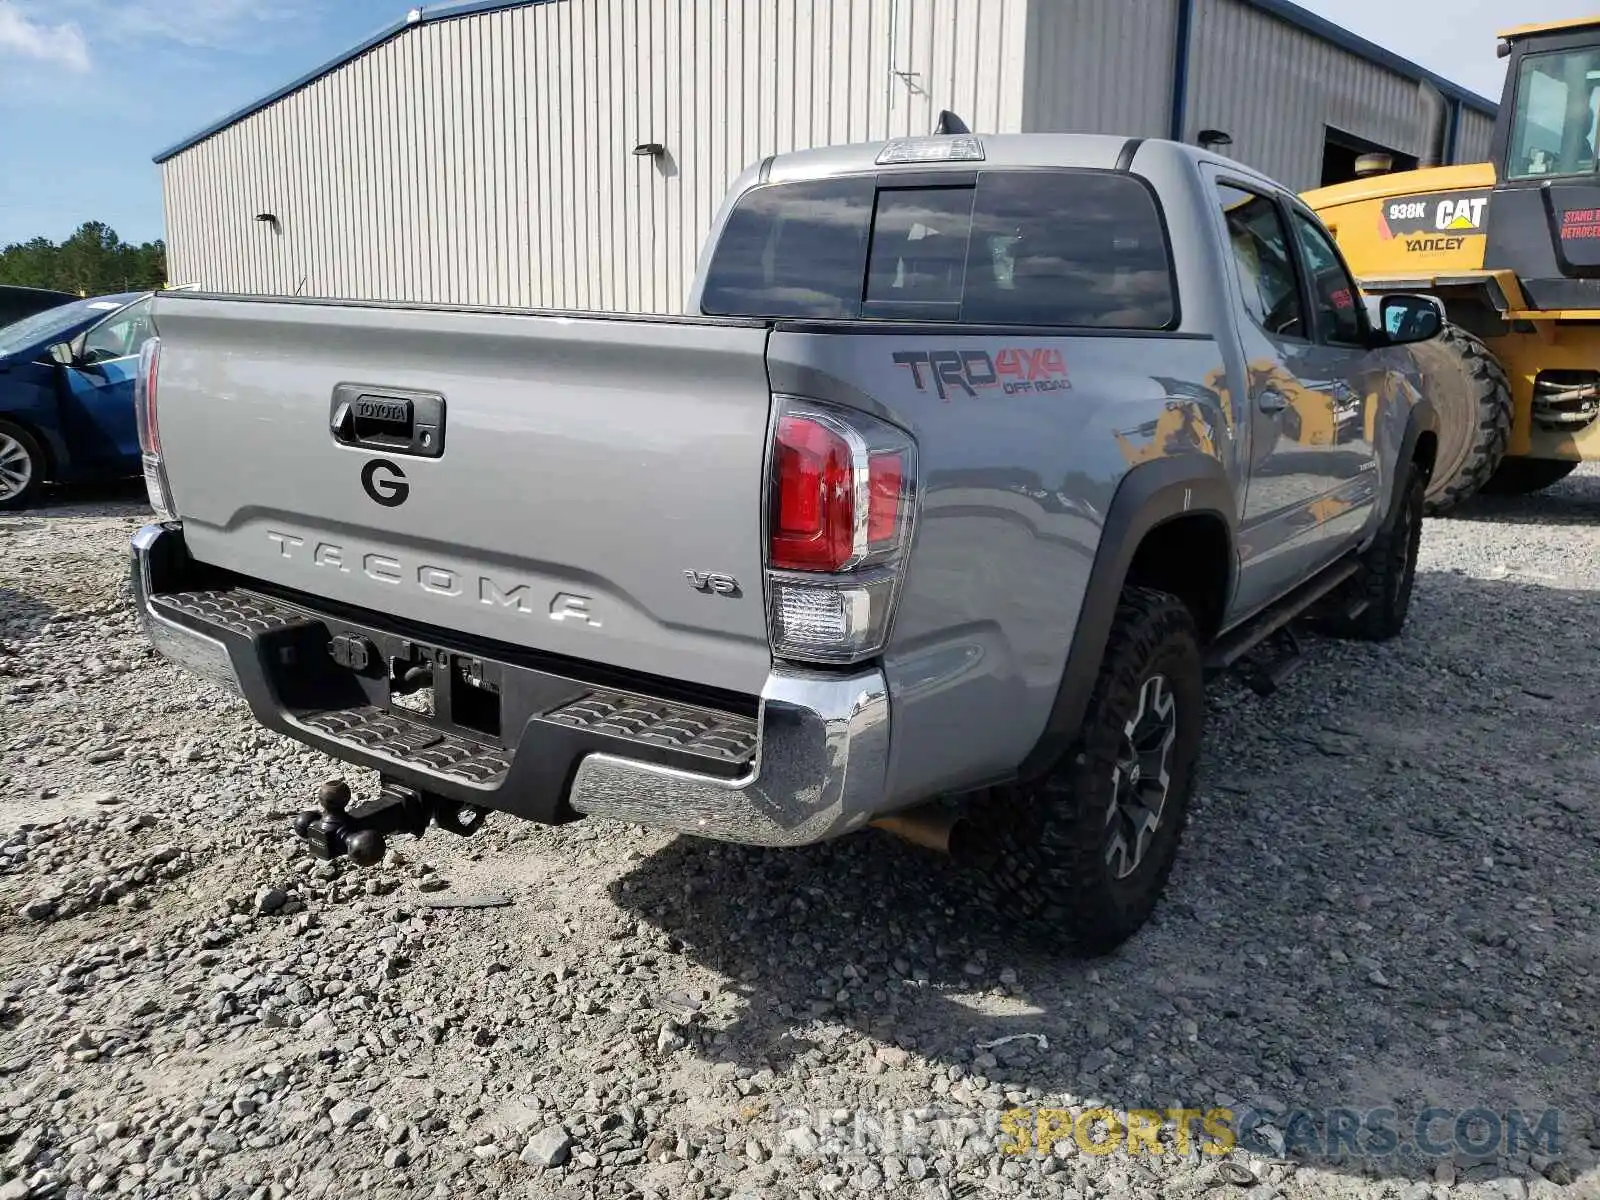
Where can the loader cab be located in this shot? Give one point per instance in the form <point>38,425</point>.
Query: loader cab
<point>1553,102</point>
<point>1545,222</point>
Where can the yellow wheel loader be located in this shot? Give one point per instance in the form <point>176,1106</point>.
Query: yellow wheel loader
<point>1313,417</point>
<point>1512,248</point>
<point>1181,428</point>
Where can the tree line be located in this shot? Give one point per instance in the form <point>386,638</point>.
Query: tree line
<point>94,261</point>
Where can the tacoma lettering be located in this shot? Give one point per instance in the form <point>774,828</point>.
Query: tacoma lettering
<point>489,593</point>
<point>329,556</point>
<point>381,568</point>
<point>284,540</point>
<point>438,580</point>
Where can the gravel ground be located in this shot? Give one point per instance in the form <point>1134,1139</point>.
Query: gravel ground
<point>1387,900</point>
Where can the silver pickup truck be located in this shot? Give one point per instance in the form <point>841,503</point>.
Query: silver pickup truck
<point>976,455</point>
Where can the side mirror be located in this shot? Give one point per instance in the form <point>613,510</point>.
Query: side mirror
<point>1408,318</point>
<point>61,353</point>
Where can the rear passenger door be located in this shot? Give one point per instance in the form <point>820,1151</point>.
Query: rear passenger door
<point>1289,414</point>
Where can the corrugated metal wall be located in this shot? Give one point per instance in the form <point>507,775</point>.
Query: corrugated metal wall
<point>1473,137</point>
<point>1274,88</point>
<point>487,159</point>
<point>1101,66</point>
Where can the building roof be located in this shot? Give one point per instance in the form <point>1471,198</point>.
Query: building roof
<point>420,15</point>
<point>426,15</point>
<point>1373,52</point>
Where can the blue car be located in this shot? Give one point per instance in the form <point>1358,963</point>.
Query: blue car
<point>66,394</point>
<point>19,302</point>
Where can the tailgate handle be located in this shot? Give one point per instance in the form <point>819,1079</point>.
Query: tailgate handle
<point>394,420</point>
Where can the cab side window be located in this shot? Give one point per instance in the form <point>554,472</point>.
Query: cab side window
<point>1265,262</point>
<point>122,335</point>
<point>1335,299</point>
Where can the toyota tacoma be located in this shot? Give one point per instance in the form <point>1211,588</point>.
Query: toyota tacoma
<point>974,456</point>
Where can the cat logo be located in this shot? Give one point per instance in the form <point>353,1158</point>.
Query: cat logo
<point>1413,217</point>
<point>1463,212</point>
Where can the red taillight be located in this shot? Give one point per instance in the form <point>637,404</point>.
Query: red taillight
<point>145,397</point>
<point>813,519</point>
<point>886,481</point>
<point>843,489</point>
<point>144,415</point>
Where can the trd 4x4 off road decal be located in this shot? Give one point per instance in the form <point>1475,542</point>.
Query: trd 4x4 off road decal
<point>1015,371</point>
<point>1442,221</point>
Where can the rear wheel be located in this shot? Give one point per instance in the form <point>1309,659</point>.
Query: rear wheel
<point>1080,858</point>
<point>1523,476</point>
<point>1470,392</point>
<point>21,466</point>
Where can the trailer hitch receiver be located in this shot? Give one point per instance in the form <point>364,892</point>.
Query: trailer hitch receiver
<point>331,831</point>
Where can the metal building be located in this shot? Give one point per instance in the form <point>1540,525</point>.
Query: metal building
<point>571,153</point>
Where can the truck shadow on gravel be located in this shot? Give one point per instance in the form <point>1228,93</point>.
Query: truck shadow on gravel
<point>20,616</point>
<point>66,499</point>
<point>1573,501</point>
<point>1386,903</point>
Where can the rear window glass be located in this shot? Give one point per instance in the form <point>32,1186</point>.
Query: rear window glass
<point>1073,248</point>
<point>919,251</point>
<point>793,250</point>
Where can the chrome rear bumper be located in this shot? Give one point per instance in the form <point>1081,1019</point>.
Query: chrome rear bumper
<point>821,761</point>
<point>816,767</point>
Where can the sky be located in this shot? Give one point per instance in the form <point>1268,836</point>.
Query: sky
<point>90,90</point>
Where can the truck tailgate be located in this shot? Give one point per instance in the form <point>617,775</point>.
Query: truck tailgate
<point>590,472</point>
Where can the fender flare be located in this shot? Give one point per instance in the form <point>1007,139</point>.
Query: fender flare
<point>1149,496</point>
<point>1423,418</point>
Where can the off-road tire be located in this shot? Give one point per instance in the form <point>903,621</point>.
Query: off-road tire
<point>1471,394</point>
<point>1524,476</point>
<point>13,438</point>
<point>1388,573</point>
<point>1042,849</point>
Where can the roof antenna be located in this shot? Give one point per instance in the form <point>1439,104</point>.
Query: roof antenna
<point>950,123</point>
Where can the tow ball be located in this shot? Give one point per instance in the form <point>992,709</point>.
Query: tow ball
<point>332,831</point>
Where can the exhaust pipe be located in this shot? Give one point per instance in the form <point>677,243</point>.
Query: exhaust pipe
<point>1435,125</point>
<point>931,826</point>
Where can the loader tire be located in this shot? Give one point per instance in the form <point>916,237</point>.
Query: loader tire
<point>1077,860</point>
<point>1524,476</point>
<point>1380,594</point>
<point>1471,394</point>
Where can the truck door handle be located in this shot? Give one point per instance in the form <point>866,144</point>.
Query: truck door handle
<point>1271,400</point>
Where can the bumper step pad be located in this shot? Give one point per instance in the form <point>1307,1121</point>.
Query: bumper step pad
<point>380,732</point>
<point>237,611</point>
<point>725,737</point>
<point>568,719</point>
